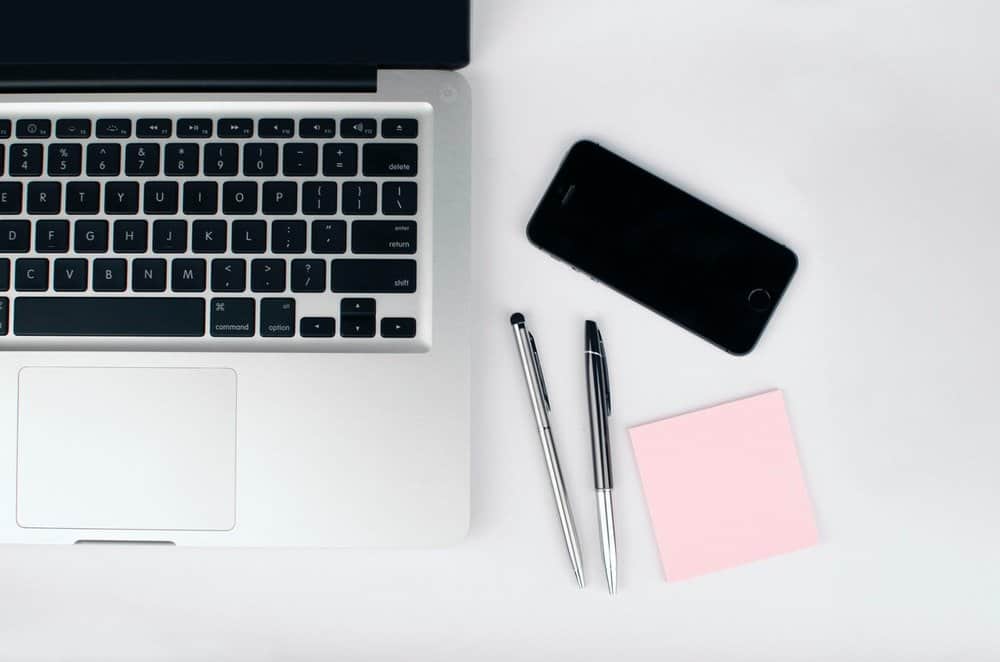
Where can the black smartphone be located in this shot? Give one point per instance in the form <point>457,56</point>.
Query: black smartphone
<point>662,247</point>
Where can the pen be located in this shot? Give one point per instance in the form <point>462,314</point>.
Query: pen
<point>599,406</point>
<point>540,405</point>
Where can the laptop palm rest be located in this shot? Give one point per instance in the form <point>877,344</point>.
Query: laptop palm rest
<point>126,448</point>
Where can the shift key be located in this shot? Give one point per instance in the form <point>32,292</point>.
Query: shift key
<point>374,276</point>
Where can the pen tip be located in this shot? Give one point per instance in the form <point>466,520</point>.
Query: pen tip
<point>517,318</point>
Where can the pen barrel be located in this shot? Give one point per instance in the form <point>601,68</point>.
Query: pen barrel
<point>597,406</point>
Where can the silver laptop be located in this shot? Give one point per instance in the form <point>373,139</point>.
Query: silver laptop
<point>234,279</point>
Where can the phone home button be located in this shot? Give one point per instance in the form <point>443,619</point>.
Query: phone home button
<point>759,299</point>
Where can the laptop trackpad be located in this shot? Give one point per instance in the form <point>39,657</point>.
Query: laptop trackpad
<point>126,448</point>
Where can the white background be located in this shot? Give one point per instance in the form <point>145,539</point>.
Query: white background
<point>866,136</point>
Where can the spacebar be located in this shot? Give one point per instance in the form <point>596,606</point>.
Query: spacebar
<point>109,316</point>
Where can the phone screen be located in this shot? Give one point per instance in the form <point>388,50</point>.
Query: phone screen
<point>662,247</point>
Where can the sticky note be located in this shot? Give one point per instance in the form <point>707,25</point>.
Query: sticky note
<point>724,486</point>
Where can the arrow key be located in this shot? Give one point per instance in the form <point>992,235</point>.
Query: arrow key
<point>317,327</point>
<point>399,327</point>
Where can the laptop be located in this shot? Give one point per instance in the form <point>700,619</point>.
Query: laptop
<point>234,274</point>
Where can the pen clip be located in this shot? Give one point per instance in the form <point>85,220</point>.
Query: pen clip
<point>606,380</point>
<point>538,371</point>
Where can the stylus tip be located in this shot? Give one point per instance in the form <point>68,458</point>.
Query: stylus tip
<point>517,318</point>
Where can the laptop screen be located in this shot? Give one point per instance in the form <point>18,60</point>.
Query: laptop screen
<point>386,33</point>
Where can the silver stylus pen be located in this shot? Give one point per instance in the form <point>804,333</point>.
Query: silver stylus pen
<point>540,405</point>
<point>599,406</point>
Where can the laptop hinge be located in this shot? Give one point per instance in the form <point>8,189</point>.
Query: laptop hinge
<point>186,78</point>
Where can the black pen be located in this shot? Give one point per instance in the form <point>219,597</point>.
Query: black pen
<point>599,406</point>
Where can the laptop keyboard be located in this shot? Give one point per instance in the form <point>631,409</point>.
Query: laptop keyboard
<point>239,231</point>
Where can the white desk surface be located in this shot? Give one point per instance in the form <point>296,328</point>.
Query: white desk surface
<point>867,138</point>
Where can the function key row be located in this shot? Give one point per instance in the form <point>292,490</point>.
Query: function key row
<point>260,159</point>
<point>163,198</point>
<point>210,236</point>
<point>369,276</point>
<point>233,127</point>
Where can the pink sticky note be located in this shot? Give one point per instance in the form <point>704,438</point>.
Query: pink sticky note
<point>724,486</point>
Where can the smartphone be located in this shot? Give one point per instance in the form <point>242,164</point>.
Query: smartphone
<point>662,247</point>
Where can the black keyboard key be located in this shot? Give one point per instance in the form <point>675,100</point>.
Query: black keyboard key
<point>317,327</point>
<point>34,128</point>
<point>154,128</point>
<point>222,159</point>
<point>83,197</point>
<point>390,160</point>
<point>231,318</point>
<point>277,318</point>
<point>357,127</point>
<point>169,236</point>
<point>389,237</point>
<point>109,316</point>
<point>317,127</point>
<point>288,237</point>
<point>340,160</point>
<point>300,159</point>
<point>399,128</point>
<point>267,275</point>
<point>10,197</point>
<point>357,318</point>
<point>149,275</point>
<point>104,159</point>
<point>159,197</point>
<point>357,306</point>
<point>235,128</point>
<point>4,129</point>
<point>121,198</point>
<point>398,327</point>
<point>142,160</point>
<point>201,197</point>
<point>131,236</point>
<point>260,159</point>
<point>276,128</point>
<point>359,197</point>
<point>181,159</point>
<point>25,160</point>
<point>239,198</point>
<point>114,128</point>
<point>329,236</point>
<point>229,275</point>
<point>90,236</point>
<point>44,198</point>
<point>109,275</point>
<point>4,274</point>
<point>187,275</point>
<point>319,198</point>
<point>31,274</point>
<point>65,160</point>
<point>3,153</point>
<point>4,315</point>
<point>249,236</point>
<point>280,198</point>
<point>308,276</point>
<point>374,276</point>
<point>357,326</point>
<point>69,274</point>
<point>52,236</point>
<point>208,237</point>
<point>399,198</point>
<point>15,236</point>
<point>72,129</point>
<point>194,128</point>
